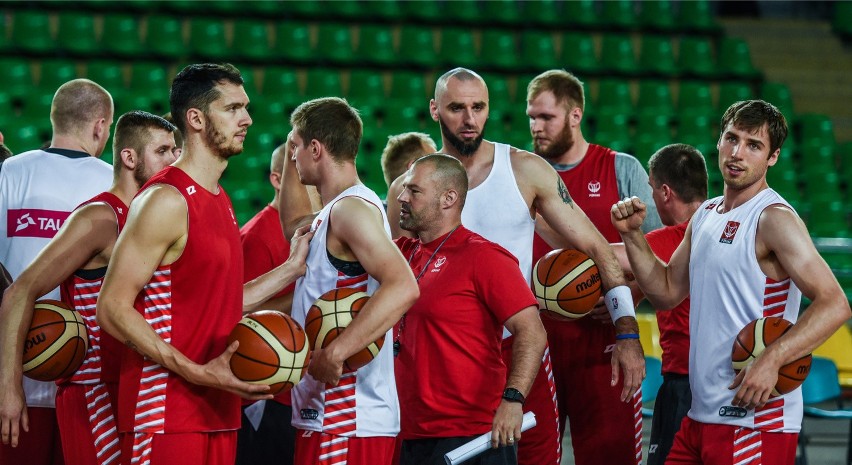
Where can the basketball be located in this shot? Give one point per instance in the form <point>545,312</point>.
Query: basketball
<point>56,343</point>
<point>753,339</point>
<point>566,283</point>
<point>273,350</point>
<point>331,314</point>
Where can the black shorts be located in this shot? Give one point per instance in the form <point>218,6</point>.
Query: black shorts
<point>670,408</point>
<point>274,441</point>
<point>431,452</point>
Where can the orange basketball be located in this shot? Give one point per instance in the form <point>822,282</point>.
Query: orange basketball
<point>56,343</point>
<point>331,314</point>
<point>273,350</point>
<point>566,283</point>
<point>753,339</point>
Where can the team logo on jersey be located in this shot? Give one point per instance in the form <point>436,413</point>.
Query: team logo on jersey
<point>731,411</point>
<point>729,232</point>
<point>438,263</point>
<point>594,188</point>
<point>308,414</point>
<point>190,190</point>
<point>710,206</point>
<point>30,222</point>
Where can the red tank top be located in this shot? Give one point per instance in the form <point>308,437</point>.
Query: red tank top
<point>193,304</point>
<point>594,188</point>
<point>81,291</point>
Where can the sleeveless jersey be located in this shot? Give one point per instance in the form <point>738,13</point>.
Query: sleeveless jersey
<point>498,201</point>
<point>728,290</point>
<point>193,304</point>
<point>365,401</point>
<point>38,191</point>
<point>81,290</point>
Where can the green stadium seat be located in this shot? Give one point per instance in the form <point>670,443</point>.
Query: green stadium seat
<point>695,57</point>
<point>695,98</point>
<point>410,86</point>
<point>149,79</point>
<point>293,40</point>
<point>164,36</point>
<point>657,15</point>
<point>35,108</point>
<point>816,129</point>
<point>402,116</point>
<point>31,32</point>
<point>268,114</point>
<point>578,53</point>
<point>304,9</point>
<point>617,53</point>
<point>121,35</point>
<point>465,11</point>
<point>76,33</point>
<point>334,43</point>
<point>54,73</point>
<point>656,56</point>
<point>207,38</point>
<point>614,97</point>
<point>501,12</point>
<point>844,151</point>
<point>538,49</point>
<point>732,92</point>
<point>422,11</point>
<point>17,76</point>
<point>323,82</point>
<point>652,133</point>
<point>841,21</point>
<point>26,138</point>
<point>655,98</point>
<point>388,10</point>
<point>417,46</point>
<point>613,130</point>
<point>734,58</point>
<point>252,40</point>
<point>281,83</point>
<point>695,129</point>
<point>783,178</point>
<point>250,84</point>
<point>375,45</point>
<point>818,160</point>
<point>366,87</point>
<point>499,49</point>
<point>779,95</point>
<point>457,47</point>
<point>547,12</point>
<point>828,220</point>
<point>696,15</point>
<point>499,93</point>
<point>618,14</point>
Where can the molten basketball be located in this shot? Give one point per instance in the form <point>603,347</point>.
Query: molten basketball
<point>331,314</point>
<point>273,350</point>
<point>753,339</point>
<point>56,343</point>
<point>566,283</point>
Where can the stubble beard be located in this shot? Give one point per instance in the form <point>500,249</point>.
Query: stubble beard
<point>217,142</point>
<point>557,147</point>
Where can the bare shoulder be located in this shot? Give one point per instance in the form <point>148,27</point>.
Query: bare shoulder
<point>354,209</point>
<point>524,161</point>
<point>96,211</point>
<point>396,187</point>
<point>158,205</point>
<point>780,227</point>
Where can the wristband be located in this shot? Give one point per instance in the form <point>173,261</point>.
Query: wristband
<point>619,337</point>
<point>619,302</point>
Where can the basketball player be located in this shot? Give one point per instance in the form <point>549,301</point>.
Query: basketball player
<point>596,177</point>
<point>38,191</point>
<point>352,416</point>
<point>401,150</point>
<point>77,258</point>
<point>180,248</point>
<point>745,255</point>
<point>509,187</point>
<point>678,179</point>
<point>450,340</point>
<point>264,248</point>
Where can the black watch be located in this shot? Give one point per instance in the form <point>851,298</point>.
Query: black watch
<point>513,395</point>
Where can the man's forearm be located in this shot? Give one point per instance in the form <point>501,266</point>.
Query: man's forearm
<point>527,352</point>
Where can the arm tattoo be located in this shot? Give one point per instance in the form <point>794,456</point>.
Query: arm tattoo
<point>563,192</point>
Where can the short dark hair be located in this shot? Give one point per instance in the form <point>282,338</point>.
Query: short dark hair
<point>178,135</point>
<point>450,172</point>
<point>331,121</point>
<point>5,152</point>
<point>682,167</point>
<point>751,115</point>
<point>195,87</point>
<point>566,87</point>
<point>133,131</point>
<point>401,150</point>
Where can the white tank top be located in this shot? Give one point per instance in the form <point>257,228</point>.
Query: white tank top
<point>365,403</point>
<point>497,211</point>
<point>38,190</point>
<point>728,290</point>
